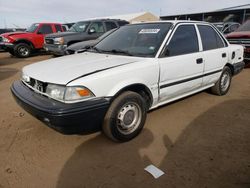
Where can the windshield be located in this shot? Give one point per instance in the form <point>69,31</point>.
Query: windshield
<point>79,27</point>
<point>245,26</point>
<point>32,28</point>
<point>142,40</point>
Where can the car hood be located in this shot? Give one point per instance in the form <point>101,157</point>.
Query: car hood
<point>62,34</point>
<point>239,34</point>
<point>14,33</point>
<point>65,69</point>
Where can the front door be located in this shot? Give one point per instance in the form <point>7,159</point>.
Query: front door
<point>181,65</point>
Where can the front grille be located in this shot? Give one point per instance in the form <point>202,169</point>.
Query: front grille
<point>49,41</point>
<point>37,85</point>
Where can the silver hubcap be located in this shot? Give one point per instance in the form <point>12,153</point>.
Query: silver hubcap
<point>225,81</point>
<point>23,51</point>
<point>129,118</point>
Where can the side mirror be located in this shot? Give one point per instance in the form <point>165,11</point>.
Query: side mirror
<point>92,30</point>
<point>87,47</point>
<point>39,32</point>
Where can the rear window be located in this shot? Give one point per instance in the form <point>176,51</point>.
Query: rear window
<point>122,23</point>
<point>245,26</point>
<point>58,28</point>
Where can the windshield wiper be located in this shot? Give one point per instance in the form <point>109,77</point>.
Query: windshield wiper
<point>91,49</point>
<point>109,51</point>
<point>114,51</point>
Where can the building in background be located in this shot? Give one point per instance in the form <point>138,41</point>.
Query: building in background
<point>232,14</point>
<point>133,18</point>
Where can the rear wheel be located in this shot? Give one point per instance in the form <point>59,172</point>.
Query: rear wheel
<point>223,84</point>
<point>22,50</point>
<point>125,117</point>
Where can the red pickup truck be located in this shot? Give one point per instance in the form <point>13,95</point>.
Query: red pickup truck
<point>242,36</point>
<point>23,44</point>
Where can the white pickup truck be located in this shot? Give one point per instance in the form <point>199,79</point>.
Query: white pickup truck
<point>135,69</point>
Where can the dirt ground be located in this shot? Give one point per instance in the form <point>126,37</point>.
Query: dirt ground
<point>201,141</point>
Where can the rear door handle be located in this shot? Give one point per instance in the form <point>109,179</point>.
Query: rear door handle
<point>199,61</point>
<point>224,55</point>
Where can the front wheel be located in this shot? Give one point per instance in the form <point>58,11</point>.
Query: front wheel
<point>22,50</point>
<point>125,117</point>
<point>223,84</point>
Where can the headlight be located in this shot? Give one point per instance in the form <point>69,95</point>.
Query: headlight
<point>5,39</point>
<point>59,40</point>
<point>25,78</point>
<point>68,94</point>
<point>55,91</point>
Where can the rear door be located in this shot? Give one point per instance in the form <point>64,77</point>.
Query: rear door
<point>181,63</point>
<point>214,53</point>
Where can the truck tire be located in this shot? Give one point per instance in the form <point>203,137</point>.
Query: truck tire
<point>22,50</point>
<point>223,84</point>
<point>125,117</point>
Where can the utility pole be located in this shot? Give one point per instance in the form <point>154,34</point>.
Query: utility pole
<point>5,25</point>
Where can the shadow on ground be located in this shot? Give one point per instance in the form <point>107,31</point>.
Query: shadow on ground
<point>8,59</point>
<point>7,72</point>
<point>213,151</point>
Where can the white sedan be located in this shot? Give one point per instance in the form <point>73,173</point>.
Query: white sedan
<point>135,69</point>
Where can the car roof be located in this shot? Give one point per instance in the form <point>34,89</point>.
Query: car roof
<point>173,22</point>
<point>47,23</point>
<point>103,19</point>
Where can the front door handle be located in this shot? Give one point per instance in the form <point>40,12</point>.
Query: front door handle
<point>224,55</point>
<point>199,61</point>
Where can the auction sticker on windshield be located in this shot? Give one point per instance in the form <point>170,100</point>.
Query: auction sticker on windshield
<point>149,31</point>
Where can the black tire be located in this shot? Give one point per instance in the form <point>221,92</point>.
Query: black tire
<point>22,50</point>
<point>223,84</point>
<point>131,108</point>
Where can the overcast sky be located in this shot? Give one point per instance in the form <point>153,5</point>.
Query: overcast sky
<point>24,12</point>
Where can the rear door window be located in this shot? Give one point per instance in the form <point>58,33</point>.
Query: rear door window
<point>210,38</point>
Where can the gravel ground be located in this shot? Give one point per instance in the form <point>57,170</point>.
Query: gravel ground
<point>200,141</point>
